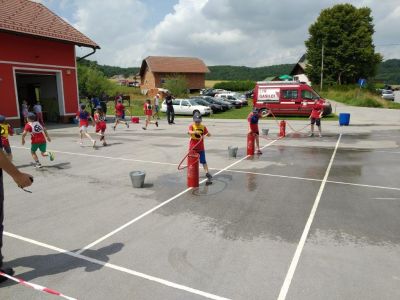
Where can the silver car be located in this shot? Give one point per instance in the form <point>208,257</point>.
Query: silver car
<point>388,95</point>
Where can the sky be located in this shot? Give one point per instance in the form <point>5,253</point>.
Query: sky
<point>249,33</point>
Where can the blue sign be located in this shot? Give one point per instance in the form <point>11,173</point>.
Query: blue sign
<point>362,82</point>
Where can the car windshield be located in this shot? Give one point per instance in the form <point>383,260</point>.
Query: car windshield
<point>198,102</point>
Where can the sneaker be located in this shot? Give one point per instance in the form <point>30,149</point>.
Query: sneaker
<point>172,122</point>
<point>104,144</point>
<point>7,271</point>
<point>157,124</point>
<point>38,165</point>
<point>144,128</point>
<point>51,156</point>
<point>94,144</point>
<point>311,135</point>
<point>114,128</point>
<point>80,143</point>
<point>259,152</point>
<point>320,135</point>
<point>208,175</point>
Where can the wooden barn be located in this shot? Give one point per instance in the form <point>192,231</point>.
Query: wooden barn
<point>155,70</point>
<point>37,61</point>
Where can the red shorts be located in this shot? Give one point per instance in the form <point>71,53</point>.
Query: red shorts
<point>101,127</point>
<point>149,112</point>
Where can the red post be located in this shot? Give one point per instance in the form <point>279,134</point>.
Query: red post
<point>250,143</point>
<point>193,169</point>
<point>282,128</point>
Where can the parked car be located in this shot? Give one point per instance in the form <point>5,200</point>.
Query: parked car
<point>388,95</point>
<point>232,100</point>
<point>287,98</point>
<point>214,107</point>
<point>187,107</point>
<point>225,105</point>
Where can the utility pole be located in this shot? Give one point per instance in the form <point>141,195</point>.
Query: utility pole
<point>322,66</point>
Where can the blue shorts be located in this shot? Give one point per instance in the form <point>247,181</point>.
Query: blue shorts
<point>202,157</point>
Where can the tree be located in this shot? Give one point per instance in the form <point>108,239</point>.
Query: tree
<point>177,85</point>
<point>92,81</point>
<point>345,32</point>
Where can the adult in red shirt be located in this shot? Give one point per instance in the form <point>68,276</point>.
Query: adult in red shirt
<point>120,114</point>
<point>315,117</point>
<point>148,112</point>
<point>253,119</point>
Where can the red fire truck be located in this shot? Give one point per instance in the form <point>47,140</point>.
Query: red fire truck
<point>287,98</point>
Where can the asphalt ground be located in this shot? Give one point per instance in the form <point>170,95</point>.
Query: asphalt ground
<point>311,218</point>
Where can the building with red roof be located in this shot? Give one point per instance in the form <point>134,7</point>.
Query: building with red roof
<point>37,61</point>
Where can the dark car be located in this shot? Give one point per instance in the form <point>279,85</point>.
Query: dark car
<point>225,105</point>
<point>214,107</point>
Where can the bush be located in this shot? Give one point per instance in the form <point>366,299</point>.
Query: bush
<point>238,85</point>
<point>177,85</point>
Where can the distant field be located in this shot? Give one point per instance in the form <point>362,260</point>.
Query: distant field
<point>210,83</point>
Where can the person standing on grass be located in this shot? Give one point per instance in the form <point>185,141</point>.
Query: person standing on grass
<point>170,108</point>
<point>253,119</point>
<point>83,116</point>
<point>6,130</point>
<point>156,107</point>
<point>315,117</point>
<point>148,112</point>
<point>100,120</point>
<point>38,139</point>
<point>22,180</point>
<point>120,114</point>
<point>197,132</point>
<point>37,109</point>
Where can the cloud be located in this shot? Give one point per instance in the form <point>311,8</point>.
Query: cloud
<point>235,32</point>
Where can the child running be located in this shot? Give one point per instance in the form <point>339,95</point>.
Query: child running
<point>100,120</point>
<point>197,132</point>
<point>253,118</point>
<point>120,114</point>
<point>38,139</point>
<point>315,117</point>
<point>148,112</point>
<point>83,116</point>
<point>6,130</point>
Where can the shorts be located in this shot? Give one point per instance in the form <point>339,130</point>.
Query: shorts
<point>149,113</point>
<point>156,108</point>
<point>83,128</point>
<point>316,121</point>
<point>120,118</point>
<point>101,127</point>
<point>7,149</point>
<point>41,147</point>
<point>202,157</point>
<point>255,132</point>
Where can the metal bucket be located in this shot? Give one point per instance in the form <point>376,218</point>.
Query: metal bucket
<point>232,151</point>
<point>265,131</point>
<point>137,178</point>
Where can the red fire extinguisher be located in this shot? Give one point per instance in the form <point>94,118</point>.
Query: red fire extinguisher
<point>282,128</point>
<point>193,169</point>
<point>250,143</point>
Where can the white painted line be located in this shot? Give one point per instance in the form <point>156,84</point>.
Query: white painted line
<point>105,157</point>
<point>118,268</point>
<point>318,180</point>
<point>300,246</point>
<point>157,207</point>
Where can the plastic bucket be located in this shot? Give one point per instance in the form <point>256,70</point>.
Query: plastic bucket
<point>137,178</point>
<point>232,151</point>
<point>135,120</point>
<point>344,119</point>
<point>265,131</point>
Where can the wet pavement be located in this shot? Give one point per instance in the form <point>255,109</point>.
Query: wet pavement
<point>233,239</point>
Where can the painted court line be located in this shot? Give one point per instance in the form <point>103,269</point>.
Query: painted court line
<point>293,265</point>
<point>118,268</point>
<point>157,207</point>
<point>318,180</point>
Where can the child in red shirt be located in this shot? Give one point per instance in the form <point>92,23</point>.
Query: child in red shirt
<point>253,119</point>
<point>101,125</point>
<point>315,117</point>
<point>83,116</point>
<point>38,139</point>
<point>120,114</point>
<point>148,112</point>
<point>197,132</point>
<point>6,130</point>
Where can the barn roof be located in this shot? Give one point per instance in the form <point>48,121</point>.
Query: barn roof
<point>35,19</point>
<point>166,64</point>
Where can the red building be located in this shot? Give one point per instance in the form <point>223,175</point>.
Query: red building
<point>37,61</point>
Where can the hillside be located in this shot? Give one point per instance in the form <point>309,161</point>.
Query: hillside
<point>388,71</point>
